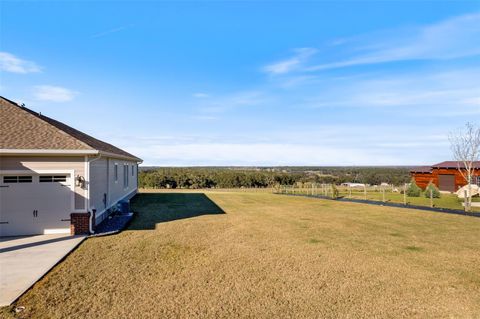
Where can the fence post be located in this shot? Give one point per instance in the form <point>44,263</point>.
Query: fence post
<point>431,197</point>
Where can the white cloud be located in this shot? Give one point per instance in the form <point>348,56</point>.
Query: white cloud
<point>291,64</point>
<point>298,145</point>
<point>53,93</point>
<point>201,95</point>
<point>232,101</point>
<point>13,64</point>
<point>432,94</point>
<point>205,117</point>
<point>449,39</point>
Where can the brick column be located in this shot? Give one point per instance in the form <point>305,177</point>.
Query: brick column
<point>79,223</point>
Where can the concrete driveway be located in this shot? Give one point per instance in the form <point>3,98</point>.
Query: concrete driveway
<point>24,260</point>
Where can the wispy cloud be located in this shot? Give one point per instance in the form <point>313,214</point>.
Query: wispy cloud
<point>201,95</point>
<point>110,31</point>
<point>14,64</point>
<point>453,38</point>
<point>205,118</point>
<point>339,145</point>
<point>445,93</point>
<point>449,39</point>
<point>293,63</point>
<point>232,101</point>
<point>53,93</point>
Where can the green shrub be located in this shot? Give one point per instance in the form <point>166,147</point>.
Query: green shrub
<point>413,190</point>
<point>435,191</point>
<point>335,192</point>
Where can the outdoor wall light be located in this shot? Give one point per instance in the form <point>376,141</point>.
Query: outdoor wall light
<point>80,181</point>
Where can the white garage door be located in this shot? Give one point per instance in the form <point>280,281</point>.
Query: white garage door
<point>35,204</point>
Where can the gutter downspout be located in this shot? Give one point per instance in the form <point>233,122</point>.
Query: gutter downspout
<point>90,223</point>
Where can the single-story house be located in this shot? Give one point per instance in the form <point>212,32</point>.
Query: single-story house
<point>444,175</point>
<point>56,179</point>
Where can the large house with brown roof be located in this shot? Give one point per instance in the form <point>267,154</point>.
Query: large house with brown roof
<point>445,175</point>
<point>56,179</point>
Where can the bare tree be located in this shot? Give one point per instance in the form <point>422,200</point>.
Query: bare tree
<point>465,146</point>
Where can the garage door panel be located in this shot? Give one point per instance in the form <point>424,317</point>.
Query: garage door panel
<point>34,208</point>
<point>446,182</point>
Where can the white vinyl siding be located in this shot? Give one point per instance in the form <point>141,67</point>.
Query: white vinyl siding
<point>103,184</point>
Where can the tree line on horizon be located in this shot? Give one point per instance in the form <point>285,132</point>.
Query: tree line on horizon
<point>216,177</point>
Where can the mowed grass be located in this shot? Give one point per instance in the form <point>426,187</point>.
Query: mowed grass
<point>260,255</point>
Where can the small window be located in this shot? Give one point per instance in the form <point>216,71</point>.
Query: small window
<point>17,179</point>
<point>60,178</point>
<point>125,175</point>
<point>115,172</point>
<point>478,180</point>
<point>133,170</point>
<point>24,179</point>
<point>52,178</point>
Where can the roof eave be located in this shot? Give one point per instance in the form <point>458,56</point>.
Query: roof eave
<point>4,151</point>
<point>119,156</point>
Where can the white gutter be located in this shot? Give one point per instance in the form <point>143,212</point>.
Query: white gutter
<point>87,175</point>
<point>130,158</point>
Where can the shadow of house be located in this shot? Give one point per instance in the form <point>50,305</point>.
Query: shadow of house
<point>33,243</point>
<point>155,208</point>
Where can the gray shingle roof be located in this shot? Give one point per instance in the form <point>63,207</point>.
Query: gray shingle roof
<point>455,164</point>
<point>22,128</point>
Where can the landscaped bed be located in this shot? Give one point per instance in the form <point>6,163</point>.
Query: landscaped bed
<point>260,255</point>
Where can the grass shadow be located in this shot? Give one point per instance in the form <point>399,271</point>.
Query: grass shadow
<point>154,208</point>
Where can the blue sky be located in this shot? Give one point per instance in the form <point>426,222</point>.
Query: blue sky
<point>250,83</point>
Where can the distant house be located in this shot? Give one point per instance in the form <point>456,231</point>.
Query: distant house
<point>445,175</point>
<point>54,178</point>
<point>353,185</point>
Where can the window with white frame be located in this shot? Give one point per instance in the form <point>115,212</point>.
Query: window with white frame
<point>478,180</point>
<point>115,172</point>
<point>125,175</point>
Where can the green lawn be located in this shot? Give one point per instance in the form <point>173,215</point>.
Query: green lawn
<point>260,255</point>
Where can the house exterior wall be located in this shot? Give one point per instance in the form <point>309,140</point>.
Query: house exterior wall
<point>422,179</point>
<point>38,163</point>
<point>103,181</point>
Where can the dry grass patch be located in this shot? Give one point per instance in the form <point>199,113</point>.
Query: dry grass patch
<point>258,255</point>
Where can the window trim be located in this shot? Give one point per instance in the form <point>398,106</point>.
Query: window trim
<point>115,172</point>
